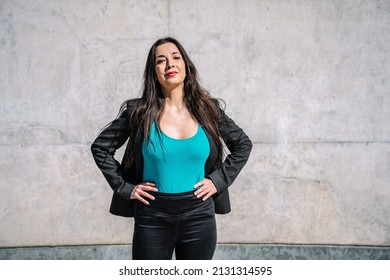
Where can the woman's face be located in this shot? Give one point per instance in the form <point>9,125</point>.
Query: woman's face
<point>170,66</point>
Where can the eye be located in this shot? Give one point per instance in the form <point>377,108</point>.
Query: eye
<point>158,61</point>
<point>177,57</point>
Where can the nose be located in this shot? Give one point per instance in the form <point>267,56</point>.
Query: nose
<point>170,64</point>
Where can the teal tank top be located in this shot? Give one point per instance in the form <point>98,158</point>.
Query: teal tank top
<point>175,165</point>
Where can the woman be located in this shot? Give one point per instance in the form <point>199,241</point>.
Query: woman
<point>173,177</point>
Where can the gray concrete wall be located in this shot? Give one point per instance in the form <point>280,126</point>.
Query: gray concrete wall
<point>222,252</point>
<point>307,80</point>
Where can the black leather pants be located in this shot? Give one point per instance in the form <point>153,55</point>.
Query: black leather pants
<point>174,222</point>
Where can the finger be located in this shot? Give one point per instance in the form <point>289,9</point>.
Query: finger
<point>208,191</point>
<point>204,189</point>
<point>138,194</point>
<point>147,195</point>
<point>150,189</point>
<point>141,195</point>
<point>148,186</point>
<point>199,188</point>
<point>200,183</point>
<point>200,193</point>
<point>144,201</point>
<point>207,196</point>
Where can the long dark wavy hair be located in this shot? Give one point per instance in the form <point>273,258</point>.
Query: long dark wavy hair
<point>198,101</point>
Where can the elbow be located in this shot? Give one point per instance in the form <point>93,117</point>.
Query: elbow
<point>249,148</point>
<point>94,148</point>
<point>248,145</point>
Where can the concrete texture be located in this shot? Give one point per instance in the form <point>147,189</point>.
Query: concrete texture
<point>222,252</point>
<point>307,80</point>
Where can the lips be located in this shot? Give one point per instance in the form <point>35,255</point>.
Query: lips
<point>171,74</point>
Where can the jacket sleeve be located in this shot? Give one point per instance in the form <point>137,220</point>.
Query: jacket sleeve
<point>103,150</point>
<point>239,146</point>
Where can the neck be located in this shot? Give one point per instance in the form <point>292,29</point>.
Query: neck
<point>174,98</point>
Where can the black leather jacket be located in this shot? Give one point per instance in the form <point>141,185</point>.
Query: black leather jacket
<point>122,182</point>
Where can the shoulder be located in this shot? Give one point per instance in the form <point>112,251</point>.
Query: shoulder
<point>218,102</point>
<point>220,105</point>
<point>128,106</point>
<point>131,103</point>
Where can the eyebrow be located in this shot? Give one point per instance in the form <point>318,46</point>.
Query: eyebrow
<point>161,55</point>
